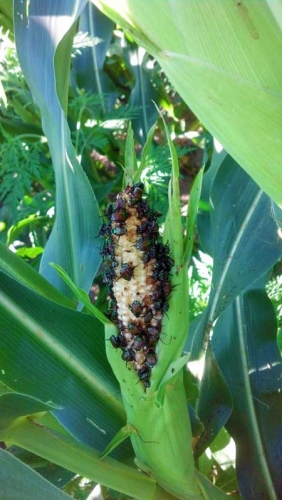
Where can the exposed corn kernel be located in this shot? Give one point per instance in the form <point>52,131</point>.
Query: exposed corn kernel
<point>138,270</point>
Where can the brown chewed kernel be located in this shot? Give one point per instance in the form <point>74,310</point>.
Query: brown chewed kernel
<point>137,270</point>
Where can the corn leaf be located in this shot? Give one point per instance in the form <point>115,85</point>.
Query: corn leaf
<point>224,60</point>
<point>248,330</point>
<point>64,450</point>
<point>44,39</point>
<point>89,62</point>
<point>62,359</point>
<point>245,243</point>
<point>18,269</point>
<point>214,405</point>
<point>19,481</point>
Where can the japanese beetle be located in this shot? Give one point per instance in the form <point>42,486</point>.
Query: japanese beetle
<point>151,358</point>
<point>143,244</point>
<point>128,354</point>
<point>153,332</point>
<point>137,193</point>
<point>144,373</point>
<point>151,254</point>
<point>117,342</point>
<point>148,316</point>
<point>108,249</point>
<point>157,295</point>
<point>139,342</point>
<point>114,341</point>
<point>142,208</point>
<point>162,250</point>
<point>134,328</point>
<point>167,288</point>
<point>153,227</point>
<point>109,275</point>
<point>153,214</point>
<point>119,230</point>
<point>160,275</point>
<point>161,305</point>
<point>136,308</point>
<point>118,204</point>
<point>120,216</point>
<point>143,227</point>
<point>146,383</point>
<point>105,231</point>
<point>127,271</point>
<point>109,209</point>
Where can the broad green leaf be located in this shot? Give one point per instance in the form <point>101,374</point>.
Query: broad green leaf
<point>77,457</point>
<point>44,40</point>
<point>18,481</point>
<point>224,60</point>
<point>55,354</point>
<point>245,242</point>
<point>26,275</point>
<point>56,474</point>
<point>143,93</point>
<point>204,214</point>
<point>88,64</point>
<point>245,346</point>
<point>13,406</point>
<point>214,405</point>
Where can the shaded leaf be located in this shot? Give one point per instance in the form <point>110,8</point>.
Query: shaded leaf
<point>215,403</point>
<point>230,78</point>
<point>18,481</point>
<point>40,28</point>
<point>55,354</point>
<point>26,275</point>
<point>69,453</point>
<point>245,242</point>
<point>88,63</point>
<point>253,372</point>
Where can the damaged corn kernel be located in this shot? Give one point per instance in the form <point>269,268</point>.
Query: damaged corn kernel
<point>137,270</point>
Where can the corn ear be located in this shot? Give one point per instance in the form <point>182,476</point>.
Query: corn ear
<point>158,412</point>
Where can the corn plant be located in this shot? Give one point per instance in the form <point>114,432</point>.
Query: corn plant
<point>71,392</point>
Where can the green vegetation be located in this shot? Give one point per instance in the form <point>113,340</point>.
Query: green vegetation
<point>92,100</point>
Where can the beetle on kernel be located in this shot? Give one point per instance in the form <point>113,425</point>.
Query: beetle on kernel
<point>109,210</point>
<point>161,305</point>
<point>144,375</point>
<point>128,354</point>
<point>117,342</point>
<point>119,230</point>
<point>120,216</point>
<point>144,244</point>
<point>108,275</point>
<point>134,328</point>
<point>127,271</point>
<point>136,308</point>
<point>151,358</point>
<point>137,193</point>
<point>139,342</point>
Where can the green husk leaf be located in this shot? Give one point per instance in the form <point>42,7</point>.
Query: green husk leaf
<point>81,295</point>
<point>130,157</point>
<point>121,436</point>
<point>192,216</point>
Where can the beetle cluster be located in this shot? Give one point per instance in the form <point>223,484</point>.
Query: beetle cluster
<point>137,268</point>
